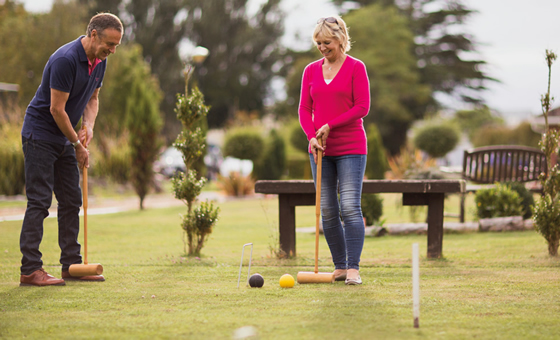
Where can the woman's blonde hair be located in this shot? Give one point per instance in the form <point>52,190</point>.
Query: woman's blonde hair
<point>333,30</point>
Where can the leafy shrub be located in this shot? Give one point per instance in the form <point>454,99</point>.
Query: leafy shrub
<point>409,163</point>
<point>272,163</point>
<point>503,135</point>
<point>547,219</point>
<point>12,170</point>
<point>527,199</point>
<point>198,225</point>
<point>437,140</point>
<point>499,201</point>
<point>547,211</point>
<point>243,144</point>
<point>471,121</point>
<point>298,138</point>
<point>372,208</point>
<point>187,186</point>
<point>376,160</point>
<point>236,184</point>
<point>299,168</point>
<point>116,166</point>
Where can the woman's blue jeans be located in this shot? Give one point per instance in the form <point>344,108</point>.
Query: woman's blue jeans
<point>341,193</point>
<point>50,168</point>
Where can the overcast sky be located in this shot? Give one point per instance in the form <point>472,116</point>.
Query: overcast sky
<point>512,37</point>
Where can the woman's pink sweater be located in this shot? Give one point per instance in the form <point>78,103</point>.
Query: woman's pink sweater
<point>342,104</point>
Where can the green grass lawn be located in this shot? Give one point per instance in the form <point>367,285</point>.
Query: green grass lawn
<point>488,286</point>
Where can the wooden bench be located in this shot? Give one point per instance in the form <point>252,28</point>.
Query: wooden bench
<point>500,163</point>
<point>415,192</point>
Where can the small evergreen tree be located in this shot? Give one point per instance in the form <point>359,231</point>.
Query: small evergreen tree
<point>546,213</point>
<point>144,123</point>
<point>272,163</point>
<point>376,158</point>
<point>198,222</point>
<point>298,139</point>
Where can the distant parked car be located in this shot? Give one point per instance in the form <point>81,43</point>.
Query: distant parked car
<point>171,161</point>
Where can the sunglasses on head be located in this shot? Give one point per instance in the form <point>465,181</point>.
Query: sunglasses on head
<point>331,20</point>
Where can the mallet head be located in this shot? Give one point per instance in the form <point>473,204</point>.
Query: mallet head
<point>85,269</point>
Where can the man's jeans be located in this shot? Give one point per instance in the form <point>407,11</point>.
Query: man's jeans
<point>342,175</point>
<point>50,168</point>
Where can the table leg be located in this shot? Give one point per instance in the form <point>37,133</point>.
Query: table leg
<point>435,225</point>
<point>287,225</point>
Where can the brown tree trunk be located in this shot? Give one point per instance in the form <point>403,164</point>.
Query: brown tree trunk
<point>553,247</point>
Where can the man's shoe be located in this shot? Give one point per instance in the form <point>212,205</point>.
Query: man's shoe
<point>40,278</point>
<point>91,278</point>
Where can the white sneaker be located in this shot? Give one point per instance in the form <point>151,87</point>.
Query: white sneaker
<point>356,281</point>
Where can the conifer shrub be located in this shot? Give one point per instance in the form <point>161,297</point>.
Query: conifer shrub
<point>272,163</point>
<point>437,140</point>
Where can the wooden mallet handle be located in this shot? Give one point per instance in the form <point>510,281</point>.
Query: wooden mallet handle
<point>318,202</point>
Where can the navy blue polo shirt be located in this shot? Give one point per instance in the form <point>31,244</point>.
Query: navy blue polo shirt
<point>67,71</point>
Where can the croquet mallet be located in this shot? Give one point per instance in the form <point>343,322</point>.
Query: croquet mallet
<point>315,276</point>
<point>85,269</point>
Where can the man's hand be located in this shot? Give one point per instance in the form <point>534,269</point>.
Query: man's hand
<point>82,135</point>
<point>82,155</point>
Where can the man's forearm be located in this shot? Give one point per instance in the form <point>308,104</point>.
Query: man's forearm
<point>64,124</point>
<point>90,113</point>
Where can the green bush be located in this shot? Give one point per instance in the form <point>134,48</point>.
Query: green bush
<point>437,140</point>
<point>499,201</point>
<point>12,170</point>
<point>298,168</point>
<point>372,208</point>
<point>243,144</point>
<point>527,199</point>
<point>376,158</point>
<point>298,139</point>
<point>116,166</point>
<point>503,135</point>
<point>471,121</point>
<point>272,163</point>
<point>198,225</point>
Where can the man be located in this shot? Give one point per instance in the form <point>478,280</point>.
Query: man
<point>52,149</point>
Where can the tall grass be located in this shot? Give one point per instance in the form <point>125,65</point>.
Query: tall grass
<point>488,286</point>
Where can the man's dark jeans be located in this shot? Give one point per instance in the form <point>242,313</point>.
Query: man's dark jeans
<point>50,168</point>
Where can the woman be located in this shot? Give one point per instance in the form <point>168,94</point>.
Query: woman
<point>334,99</point>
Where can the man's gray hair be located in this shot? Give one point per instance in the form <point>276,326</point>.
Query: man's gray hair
<point>102,21</point>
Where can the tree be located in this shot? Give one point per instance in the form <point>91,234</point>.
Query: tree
<point>438,47</point>
<point>546,213</point>
<point>521,134</point>
<point>472,121</point>
<point>243,50</point>
<point>158,26</point>
<point>28,40</point>
<point>396,92</point>
<point>198,222</point>
<point>124,69</point>
<point>377,155</point>
<point>272,162</point>
<point>144,123</point>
